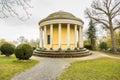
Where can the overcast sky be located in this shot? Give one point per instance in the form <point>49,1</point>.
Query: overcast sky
<point>12,28</point>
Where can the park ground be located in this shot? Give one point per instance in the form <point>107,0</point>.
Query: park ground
<point>97,66</point>
<point>81,68</point>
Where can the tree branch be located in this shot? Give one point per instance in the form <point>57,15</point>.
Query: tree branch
<point>106,6</point>
<point>115,6</point>
<point>9,8</point>
<point>99,9</point>
<point>98,20</point>
<point>109,4</point>
<point>101,22</point>
<point>116,13</point>
<point>116,28</point>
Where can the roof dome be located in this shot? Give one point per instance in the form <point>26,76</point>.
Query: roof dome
<point>61,15</point>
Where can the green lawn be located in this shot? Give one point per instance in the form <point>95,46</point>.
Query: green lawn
<point>112,54</point>
<point>10,66</point>
<point>98,69</point>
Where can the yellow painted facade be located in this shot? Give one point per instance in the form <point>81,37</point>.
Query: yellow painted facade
<point>63,36</point>
<point>65,29</point>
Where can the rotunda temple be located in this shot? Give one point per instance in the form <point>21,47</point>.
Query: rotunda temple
<point>61,30</point>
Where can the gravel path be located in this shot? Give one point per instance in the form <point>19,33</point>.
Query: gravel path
<point>50,68</point>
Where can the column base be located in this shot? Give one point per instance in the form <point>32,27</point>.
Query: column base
<point>81,47</point>
<point>51,48</point>
<point>59,49</point>
<point>44,49</point>
<point>75,48</point>
<point>68,49</point>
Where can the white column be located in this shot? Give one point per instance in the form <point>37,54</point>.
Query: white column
<point>59,35</point>
<point>68,35</point>
<point>51,36</point>
<point>40,44</point>
<point>80,37</point>
<point>75,28</point>
<point>44,36</point>
<point>81,42</point>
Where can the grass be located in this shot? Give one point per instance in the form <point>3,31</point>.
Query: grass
<point>10,66</point>
<point>98,69</point>
<point>111,54</point>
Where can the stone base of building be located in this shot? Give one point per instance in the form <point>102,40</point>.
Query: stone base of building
<point>62,53</point>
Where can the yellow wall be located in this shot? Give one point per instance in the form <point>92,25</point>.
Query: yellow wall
<point>47,33</point>
<point>63,36</point>
<point>55,36</point>
<point>72,37</point>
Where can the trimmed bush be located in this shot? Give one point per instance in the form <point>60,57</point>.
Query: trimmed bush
<point>34,48</point>
<point>23,51</point>
<point>103,46</point>
<point>7,49</point>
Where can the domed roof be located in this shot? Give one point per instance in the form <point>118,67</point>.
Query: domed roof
<point>61,15</point>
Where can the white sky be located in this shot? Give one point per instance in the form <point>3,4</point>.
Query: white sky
<point>12,28</point>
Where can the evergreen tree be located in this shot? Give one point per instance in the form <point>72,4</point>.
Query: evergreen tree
<point>91,33</point>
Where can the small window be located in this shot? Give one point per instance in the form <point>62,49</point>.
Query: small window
<point>48,39</point>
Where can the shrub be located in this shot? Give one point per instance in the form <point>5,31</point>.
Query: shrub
<point>118,49</point>
<point>88,46</point>
<point>34,48</point>
<point>23,51</point>
<point>103,46</point>
<point>7,49</point>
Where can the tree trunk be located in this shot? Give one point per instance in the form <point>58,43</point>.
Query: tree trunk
<point>112,34</point>
<point>113,40</point>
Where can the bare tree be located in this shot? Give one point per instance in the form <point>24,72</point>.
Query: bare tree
<point>15,8</point>
<point>34,43</point>
<point>106,13</point>
<point>22,39</point>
